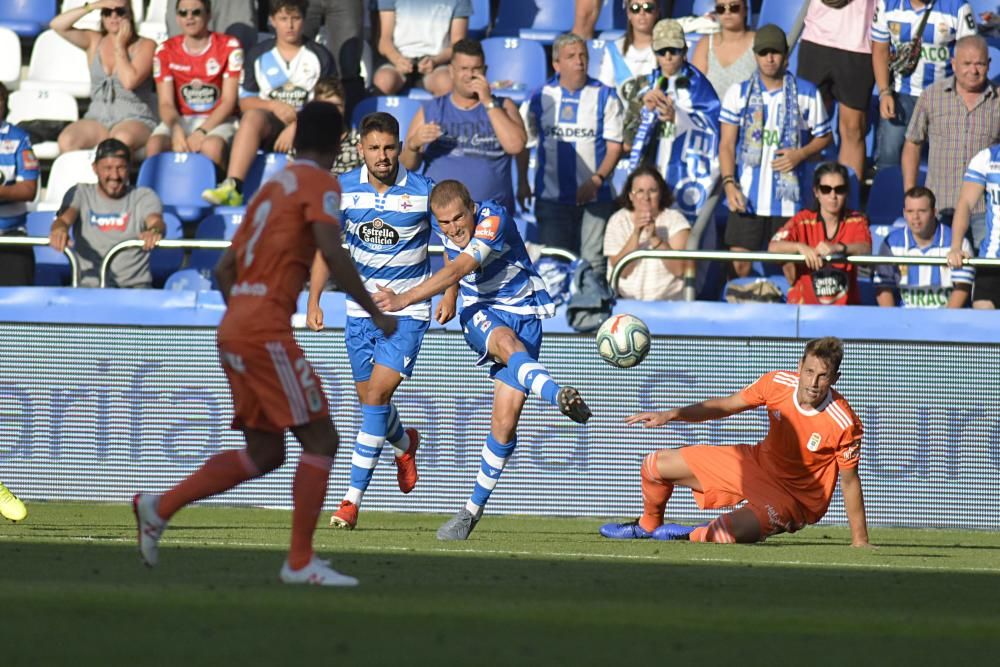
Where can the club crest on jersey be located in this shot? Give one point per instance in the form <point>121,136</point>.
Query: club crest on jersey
<point>378,233</point>
<point>212,67</point>
<point>404,202</point>
<point>814,441</point>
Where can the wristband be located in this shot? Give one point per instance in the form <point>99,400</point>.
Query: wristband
<point>882,92</point>
<point>726,180</point>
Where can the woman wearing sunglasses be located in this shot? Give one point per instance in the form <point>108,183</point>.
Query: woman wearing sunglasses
<point>727,58</point>
<point>827,228</point>
<point>121,87</point>
<point>631,55</point>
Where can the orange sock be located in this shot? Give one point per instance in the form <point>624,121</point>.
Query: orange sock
<point>219,473</point>
<point>719,531</point>
<point>655,494</point>
<point>308,492</point>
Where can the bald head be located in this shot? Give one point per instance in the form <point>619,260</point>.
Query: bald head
<point>971,63</point>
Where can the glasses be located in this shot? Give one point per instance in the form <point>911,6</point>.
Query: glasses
<point>836,189</point>
<point>648,7</point>
<point>672,50</point>
<point>652,192</point>
<point>731,8</point>
<point>184,13</point>
<point>117,11</point>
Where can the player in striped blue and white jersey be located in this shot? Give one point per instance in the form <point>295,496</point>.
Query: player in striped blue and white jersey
<point>982,178</point>
<point>387,228</point>
<point>895,23</point>
<point>922,286</point>
<point>503,303</point>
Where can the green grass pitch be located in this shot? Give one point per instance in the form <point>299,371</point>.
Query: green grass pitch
<point>521,590</point>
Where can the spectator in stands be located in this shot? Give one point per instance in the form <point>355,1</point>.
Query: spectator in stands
<point>826,229</point>
<point>104,214</point>
<point>415,38</point>
<point>343,28</point>
<point>468,134</point>
<point>577,122</point>
<point>906,64</point>
<point>632,55</point>
<point>922,286</point>
<point>279,78</point>
<point>727,58</point>
<point>330,89</point>
<point>237,18</point>
<point>835,54</point>
<point>197,82</point>
<point>672,121</point>
<point>121,86</point>
<point>645,221</point>
<point>981,178</point>
<point>771,123</point>
<point>18,185</point>
<point>958,116</point>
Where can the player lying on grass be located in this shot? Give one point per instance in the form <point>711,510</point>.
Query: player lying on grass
<point>787,479</point>
<point>273,386</point>
<point>503,301</point>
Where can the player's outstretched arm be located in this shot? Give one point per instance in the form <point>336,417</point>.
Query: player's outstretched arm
<point>318,276</point>
<point>343,271</point>
<point>715,408</point>
<point>225,272</point>
<point>391,302</point>
<point>854,505</point>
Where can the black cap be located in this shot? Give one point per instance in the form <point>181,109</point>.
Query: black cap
<point>112,148</point>
<point>770,37</point>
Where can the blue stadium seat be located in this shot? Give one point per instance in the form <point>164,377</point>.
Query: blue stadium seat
<point>537,20</point>
<point>27,18</point>
<point>885,202</point>
<point>51,267</point>
<point>403,108</point>
<point>164,261</point>
<point>994,71</point>
<point>595,50</point>
<point>520,61</point>
<point>189,279</point>
<point>793,60</point>
<point>221,225</point>
<point>781,13</point>
<point>683,8</point>
<point>612,17</point>
<point>481,18</point>
<point>264,166</point>
<point>179,179</point>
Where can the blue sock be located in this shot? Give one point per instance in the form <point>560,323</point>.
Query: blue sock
<point>491,464</point>
<point>395,434</point>
<point>367,449</point>
<point>534,377</point>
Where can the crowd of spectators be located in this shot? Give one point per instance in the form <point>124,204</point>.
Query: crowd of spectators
<point>629,159</point>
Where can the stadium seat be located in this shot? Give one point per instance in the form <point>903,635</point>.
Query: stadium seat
<point>518,61</point>
<point>537,20</point>
<point>419,94</point>
<point>10,58</point>
<point>68,170</point>
<point>51,268</point>
<point>885,202</point>
<point>403,108</point>
<point>90,21</point>
<point>595,49</point>
<point>994,71</point>
<point>43,105</point>
<point>610,35</point>
<point>154,26</point>
<point>683,8</point>
<point>220,226</point>
<point>26,17</point>
<point>179,179</point>
<point>612,17</point>
<point>164,261</point>
<point>189,279</point>
<point>479,22</point>
<point>264,166</point>
<point>781,13</point>
<point>57,65</point>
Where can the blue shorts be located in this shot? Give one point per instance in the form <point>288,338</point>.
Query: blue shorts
<point>479,321</point>
<point>366,346</point>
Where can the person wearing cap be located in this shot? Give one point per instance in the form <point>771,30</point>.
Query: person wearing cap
<point>771,124</point>
<point>18,186</point>
<point>104,214</point>
<point>672,121</point>
<point>577,122</point>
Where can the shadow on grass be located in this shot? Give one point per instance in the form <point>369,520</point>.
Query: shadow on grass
<point>95,604</point>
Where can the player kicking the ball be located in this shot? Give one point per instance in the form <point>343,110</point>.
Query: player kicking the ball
<point>503,303</point>
<point>787,479</point>
<point>273,386</point>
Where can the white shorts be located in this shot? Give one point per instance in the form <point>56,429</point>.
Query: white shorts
<point>224,131</point>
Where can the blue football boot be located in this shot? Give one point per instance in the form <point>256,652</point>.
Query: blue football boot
<point>630,530</point>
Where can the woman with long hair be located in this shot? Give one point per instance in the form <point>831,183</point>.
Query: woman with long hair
<point>632,55</point>
<point>828,228</point>
<point>727,57</point>
<point>645,221</point>
<point>121,66</point>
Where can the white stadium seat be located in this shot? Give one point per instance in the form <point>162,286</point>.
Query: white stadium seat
<point>155,24</point>
<point>68,170</point>
<point>10,57</point>
<point>57,65</point>
<point>43,105</point>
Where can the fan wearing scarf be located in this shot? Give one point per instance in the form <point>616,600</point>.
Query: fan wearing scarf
<point>770,124</point>
<point>672,121</point>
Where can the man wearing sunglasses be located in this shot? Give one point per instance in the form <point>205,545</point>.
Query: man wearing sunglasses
<point>234,17</point>
<point>672,121</point>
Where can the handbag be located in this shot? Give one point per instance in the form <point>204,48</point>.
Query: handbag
<point>907,55</point>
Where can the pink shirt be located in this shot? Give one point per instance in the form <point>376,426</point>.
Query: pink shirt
<point>849,29</point>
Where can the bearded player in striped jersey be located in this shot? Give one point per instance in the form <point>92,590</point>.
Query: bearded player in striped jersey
<point>503,303</point>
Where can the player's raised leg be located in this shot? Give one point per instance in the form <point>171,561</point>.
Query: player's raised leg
<point>405,442</point>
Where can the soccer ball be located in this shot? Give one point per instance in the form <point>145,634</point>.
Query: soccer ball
<point>623,340</point>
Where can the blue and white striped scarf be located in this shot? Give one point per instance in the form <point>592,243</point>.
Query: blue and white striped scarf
<point>751,149</point>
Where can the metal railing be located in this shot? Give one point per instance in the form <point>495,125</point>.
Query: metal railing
<point>74,263</point>
<point>779,257</point>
